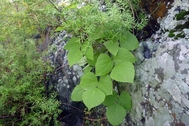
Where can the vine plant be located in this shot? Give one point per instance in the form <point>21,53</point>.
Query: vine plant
<point>104,41</point>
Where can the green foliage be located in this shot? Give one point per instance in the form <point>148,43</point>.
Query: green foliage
<point>181,15</point>
<point>117,107</point>
<point>23,100</point>
<point>26,17</point>
<point>129,41</point>
<point>74,51</point>
<point>93,97</point>
<point>115,114</point>
<point>104,65</point>
<point>123,72</point>
<point>105,41</point>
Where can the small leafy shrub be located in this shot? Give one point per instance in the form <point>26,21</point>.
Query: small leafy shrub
<point>104,41</point>
<point>23,100</point>
<point>22,94</point>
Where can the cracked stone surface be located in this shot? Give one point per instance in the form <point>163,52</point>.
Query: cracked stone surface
<point>160,93</point>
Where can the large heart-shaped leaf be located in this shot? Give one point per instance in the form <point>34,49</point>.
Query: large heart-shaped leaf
<point>123,72</point>
<point>74,56</point>
<point>93,97</point>
<point>112,47</point>
<point>77,93</point>
<point>105,84</point>
<point>115,114</point>
<point>103,65</point>
<point>129,41</point>
<point>72,44</point>
<point>89,53</point>
<point>125,100</point>
<point>124,55</point>
<point>88,80</point>
<point>111,99</point>
<point>93,62</point>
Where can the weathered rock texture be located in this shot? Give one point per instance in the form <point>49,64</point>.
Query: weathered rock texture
<point>156,8</point>
<point>161,91</point>
<point>63,80</point>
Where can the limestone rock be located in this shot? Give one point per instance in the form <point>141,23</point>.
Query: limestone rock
<point>160,93</point>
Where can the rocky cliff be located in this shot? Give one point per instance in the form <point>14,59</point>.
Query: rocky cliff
<point>161,90</point>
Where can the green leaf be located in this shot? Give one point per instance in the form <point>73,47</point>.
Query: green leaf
<point>88,80</point>
<point>103,65</point>
<point>112,47</point>
<point>105,84</point>
<point>87,69</point>
<point>124,55</point>
<point>129,41</point>
<point>60,28</point>
<point>125,100</point>
<point>77,93</point>
<point>93,97</point>
<point>111,99</point>
<point>115,114</point>
<point>93,62</point>
<point>84,46</point>
<point>82,62</point>
<point>73,44</point>
<point>98,33</point>
<point>123,72</point>
<point>89,53</point>
<point>74,56</point>
<point>86,8</point>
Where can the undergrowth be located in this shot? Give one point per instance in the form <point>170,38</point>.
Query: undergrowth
<point>23,100</point>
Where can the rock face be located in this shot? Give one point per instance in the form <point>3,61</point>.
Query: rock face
<point>156,8</point>
<point>160,93</point>
<point>63,79</point>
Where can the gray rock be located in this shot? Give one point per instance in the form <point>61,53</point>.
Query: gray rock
<point>63,80</point>
<point>160,93</point>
